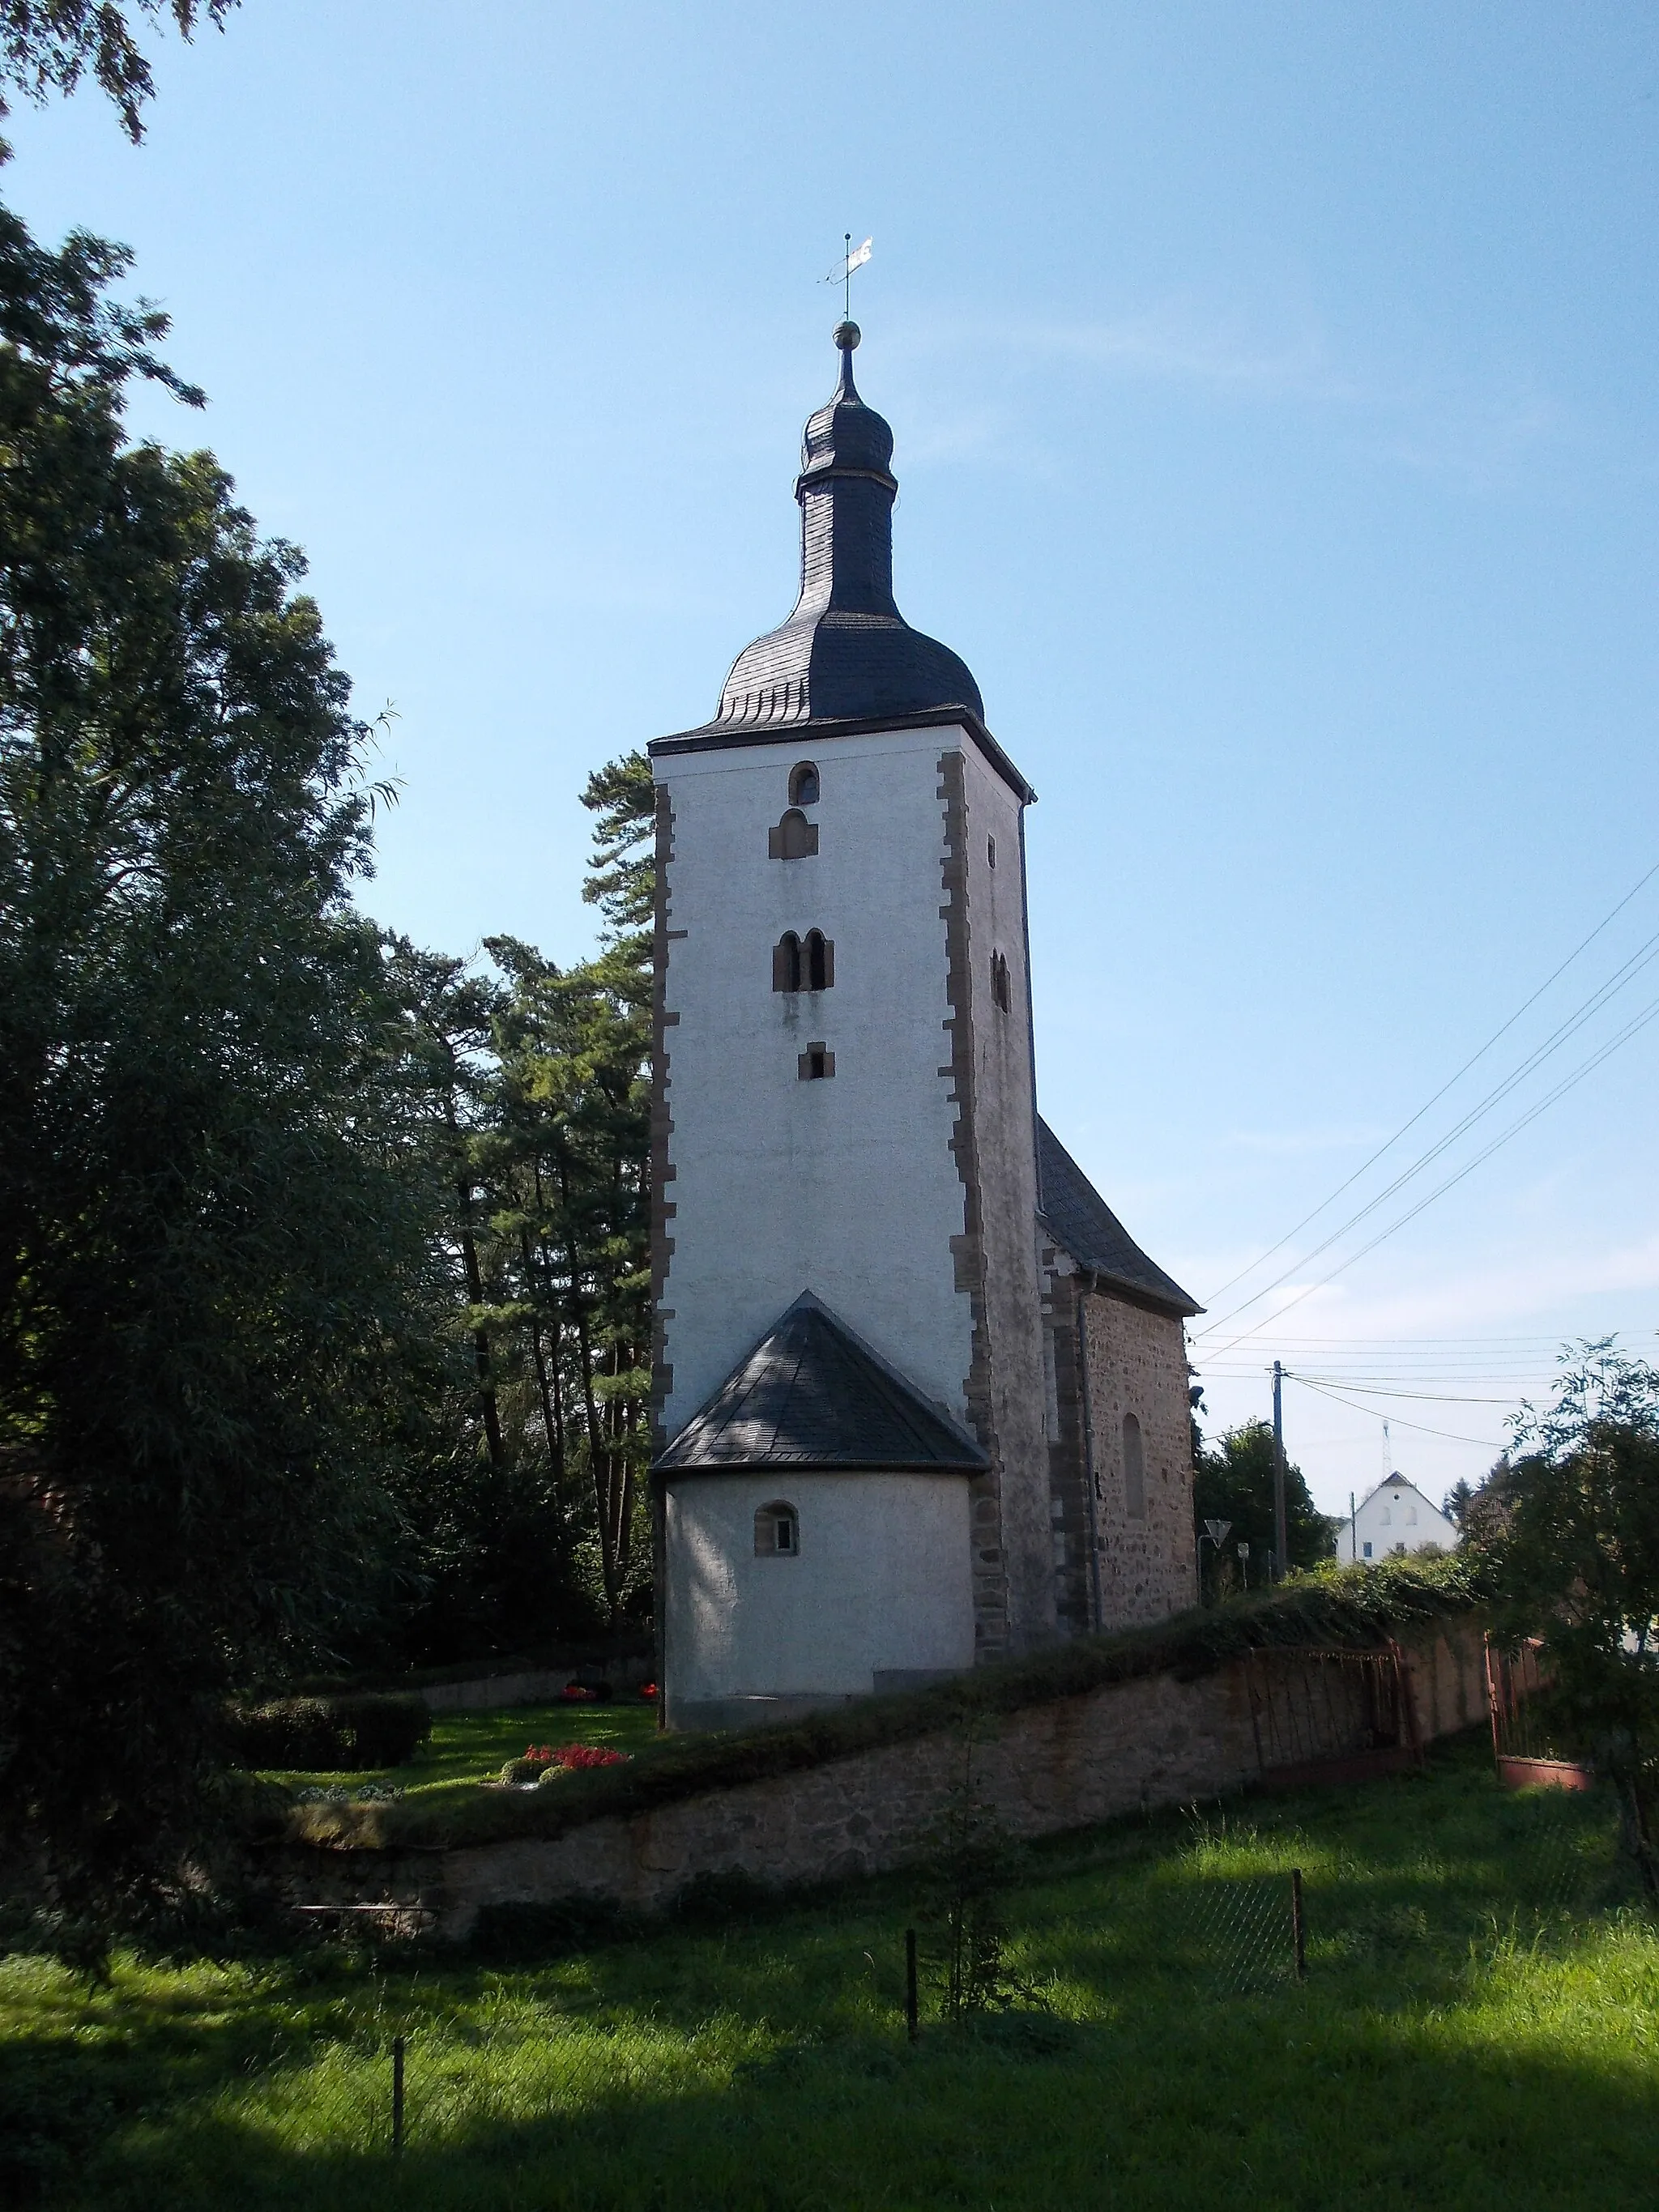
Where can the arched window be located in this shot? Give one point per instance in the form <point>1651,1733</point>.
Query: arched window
<point>1134,1470</point>
<point>802,784</point>
<point>999,988</point>
<point>777,1531</point>
<point>807,965</point>
<point>795,838</point>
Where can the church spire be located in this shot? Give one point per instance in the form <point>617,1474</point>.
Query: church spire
<point>847,488</point>
<point>846,651</point>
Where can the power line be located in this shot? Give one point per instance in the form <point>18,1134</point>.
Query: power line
<point>1604,1052</point>
<point>1484,1443</point>
<point>1449,1084</point>
<point>1374,1390</point>
<point>1644,957</point>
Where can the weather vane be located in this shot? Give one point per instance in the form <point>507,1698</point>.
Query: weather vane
<point>841,273</point>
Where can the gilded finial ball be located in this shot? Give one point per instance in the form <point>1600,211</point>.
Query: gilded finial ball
<point>848,335</point>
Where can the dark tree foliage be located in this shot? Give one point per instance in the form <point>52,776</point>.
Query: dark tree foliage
<point>210,1250</point>
<point>1569,1527</point>
<point>523,1482</point>
<point>49,45</point>
<point>1233,1480</point>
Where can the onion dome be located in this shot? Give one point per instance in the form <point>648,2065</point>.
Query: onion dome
<point>846,651</point>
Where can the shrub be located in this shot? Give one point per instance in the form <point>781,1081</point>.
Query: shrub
<point>336,1735</point>
<point>386,1728</point>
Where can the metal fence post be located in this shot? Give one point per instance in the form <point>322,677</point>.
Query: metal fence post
<point>910,2017</point>
<point>397,2096</point>
<point>1298,1929</point>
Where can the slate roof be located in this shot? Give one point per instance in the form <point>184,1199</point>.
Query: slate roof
<point>1080,1218</point>
<point>846,652</point>
<point>812,1395</point>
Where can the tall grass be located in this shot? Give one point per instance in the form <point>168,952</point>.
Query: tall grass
<point>1479,2028</point>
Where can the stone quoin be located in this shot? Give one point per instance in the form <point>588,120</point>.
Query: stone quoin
<point>920,1402</point>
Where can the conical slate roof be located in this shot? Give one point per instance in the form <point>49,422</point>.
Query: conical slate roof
<point>812,1395</point>
<point>1080,1219</point>
<point>846,652</point>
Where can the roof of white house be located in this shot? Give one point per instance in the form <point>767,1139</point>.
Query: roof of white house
<point>1395,1484</point>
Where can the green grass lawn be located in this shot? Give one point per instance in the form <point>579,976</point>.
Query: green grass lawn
<point>1479,2028</point>
<point>468,1746</point>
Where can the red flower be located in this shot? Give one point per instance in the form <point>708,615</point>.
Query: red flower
<point>589,1754</point>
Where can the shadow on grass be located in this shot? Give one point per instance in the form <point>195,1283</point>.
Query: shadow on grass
<point>1464,2028</point>
<point>1254,2105</point>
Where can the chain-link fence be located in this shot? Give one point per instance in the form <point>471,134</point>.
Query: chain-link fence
<point>1550,1862</point>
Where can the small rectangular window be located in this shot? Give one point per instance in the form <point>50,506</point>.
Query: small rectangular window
<point>815,1063</point>
<point>1368,1550</point>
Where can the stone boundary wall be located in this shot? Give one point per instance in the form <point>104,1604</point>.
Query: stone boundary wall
<point>1067,1764</point>
<point>537,1686</point>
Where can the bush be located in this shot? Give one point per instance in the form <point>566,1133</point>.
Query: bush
<point>336,1735</point>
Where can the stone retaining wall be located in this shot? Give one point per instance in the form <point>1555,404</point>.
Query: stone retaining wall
<point>1067,1764</point>
<point>538,1686</point>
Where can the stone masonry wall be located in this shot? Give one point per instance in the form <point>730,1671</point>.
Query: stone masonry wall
<point>1063,1764</point>
<point>1136,1362</point>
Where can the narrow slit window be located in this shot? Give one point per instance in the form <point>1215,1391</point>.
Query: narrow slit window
<point>990,852</point>
<point>999,985</point>
<point>804,784</point>
<point>786,962</point>
<point>777,1531</point>
<point>1134,1470</point>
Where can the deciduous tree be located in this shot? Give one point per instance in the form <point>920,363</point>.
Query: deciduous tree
<point>1570,1527</point>
<point>49,45</point>
<point>1233,1480</point>
<point>210,1250</point>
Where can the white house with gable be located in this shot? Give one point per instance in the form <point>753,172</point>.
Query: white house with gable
<point>1394,1518</point>
<point>919,1399</point>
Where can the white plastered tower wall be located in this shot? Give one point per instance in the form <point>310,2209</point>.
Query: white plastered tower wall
<point>847,1187</point>
<point>1012,1554</point>
<point>901,1190</point>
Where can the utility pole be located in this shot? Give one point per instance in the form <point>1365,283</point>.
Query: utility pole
<point>1281,1537</point>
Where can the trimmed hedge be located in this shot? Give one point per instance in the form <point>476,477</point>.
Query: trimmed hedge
<point>333,1735</point>
<point>1357,1607</point>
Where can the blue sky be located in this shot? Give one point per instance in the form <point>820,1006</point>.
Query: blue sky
<point>1274,397</point>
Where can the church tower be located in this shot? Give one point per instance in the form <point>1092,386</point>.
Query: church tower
<point>854,1449</point>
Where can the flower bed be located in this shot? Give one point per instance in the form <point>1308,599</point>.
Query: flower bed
<point>543,1762</point>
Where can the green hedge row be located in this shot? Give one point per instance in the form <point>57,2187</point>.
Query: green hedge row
<point>335,1735</point>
